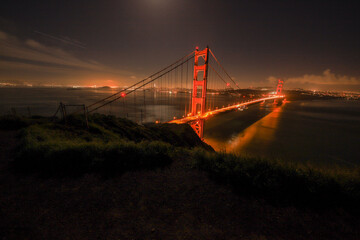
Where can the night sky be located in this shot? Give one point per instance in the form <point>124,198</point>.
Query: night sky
<point>310,44</point>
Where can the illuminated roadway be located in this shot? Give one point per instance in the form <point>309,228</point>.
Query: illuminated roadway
<point>224,109</point>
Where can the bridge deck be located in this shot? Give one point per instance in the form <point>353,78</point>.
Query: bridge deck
<point>224,109</point>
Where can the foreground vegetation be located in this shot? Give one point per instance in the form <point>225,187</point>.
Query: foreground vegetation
<point>108,146</point>
<point>64,158</point>
<point>113,146</point>
<point>283,183</point>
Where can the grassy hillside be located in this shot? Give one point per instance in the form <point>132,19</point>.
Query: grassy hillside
<point>157,186</point>
<point>109,145</point>
<point>282,183</point>
<point>113,146</point>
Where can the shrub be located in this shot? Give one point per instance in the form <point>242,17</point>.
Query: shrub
<point>64,158</point>
<point>109,145</point>
<point>10,122</point>
<point>279,182</point>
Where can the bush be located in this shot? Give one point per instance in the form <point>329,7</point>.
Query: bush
<point>109,145</point>
<point>10,122</point>
<point>281,183</point>
<point>68,158</point>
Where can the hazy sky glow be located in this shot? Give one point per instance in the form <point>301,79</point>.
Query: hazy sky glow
<point>309,44</point>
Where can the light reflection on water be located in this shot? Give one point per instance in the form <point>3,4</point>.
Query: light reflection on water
<point>324,133</point>
<point>260,134</point>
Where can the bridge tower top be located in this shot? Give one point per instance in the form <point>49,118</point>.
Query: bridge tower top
<point>279,86</point>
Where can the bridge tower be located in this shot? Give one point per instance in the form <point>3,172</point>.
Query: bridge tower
<point>279,86</point>
<point>279,90</point>
<point>198,99</point>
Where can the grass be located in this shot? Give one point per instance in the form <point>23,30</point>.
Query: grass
<point>113,146</point>
<point>103,128</point>
<point>68,158</point>
<point>109,146</point>
<point>282,183</point>
<point>10,122</point>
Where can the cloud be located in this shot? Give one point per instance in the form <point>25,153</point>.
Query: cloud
<point>65,40</point>
<point>32,50</point>
<point>3,35</point>
<point>32,59</point>
<point>327,78</point>
<point>324,81</point>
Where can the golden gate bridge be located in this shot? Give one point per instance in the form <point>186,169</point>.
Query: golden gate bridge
<point>190,90</point>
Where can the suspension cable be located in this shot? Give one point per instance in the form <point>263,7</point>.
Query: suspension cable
<point>158,72</point>
<point>133,90</point>
<point>217,74</point>
<point>223,68</point>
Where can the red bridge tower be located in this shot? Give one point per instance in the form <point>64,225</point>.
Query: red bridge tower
<point>279,87</point>
<point>199,90</point>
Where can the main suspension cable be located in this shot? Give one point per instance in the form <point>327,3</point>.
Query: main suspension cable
<point>133,90</point>
<point>158,72</point>
<point>223,68</point>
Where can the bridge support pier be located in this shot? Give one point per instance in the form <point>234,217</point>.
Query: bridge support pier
<point>198,127</point>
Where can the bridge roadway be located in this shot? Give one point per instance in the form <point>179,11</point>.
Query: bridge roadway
<point>224,109</point>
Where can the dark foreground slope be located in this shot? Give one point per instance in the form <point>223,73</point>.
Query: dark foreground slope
<point>108,145</point>
<point>176,201</point>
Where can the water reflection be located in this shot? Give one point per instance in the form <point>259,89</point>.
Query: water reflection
<point>254,139</point>
<point>322,133</point>
<point>261,134</point>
